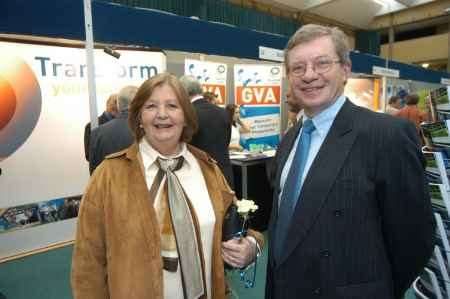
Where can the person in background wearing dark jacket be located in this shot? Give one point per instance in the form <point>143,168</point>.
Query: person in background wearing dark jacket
<point>115,135</point>
<point>107,115</point>
<point>351,213</point>
<point>214,127</point>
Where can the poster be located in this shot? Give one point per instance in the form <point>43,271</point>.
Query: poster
<point>258,93</point>
<point>212,76</point>
<point>44,108</point>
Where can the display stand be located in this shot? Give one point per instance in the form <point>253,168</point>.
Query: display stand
<point>434,282</point>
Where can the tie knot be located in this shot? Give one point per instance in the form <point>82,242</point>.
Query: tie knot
<point>170,164</point>
<point>308,126</point>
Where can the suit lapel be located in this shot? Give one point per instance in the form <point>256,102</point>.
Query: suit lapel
<point>284,154</point>
<point>321,177</point>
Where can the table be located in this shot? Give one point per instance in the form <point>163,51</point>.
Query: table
<point>251,182</point>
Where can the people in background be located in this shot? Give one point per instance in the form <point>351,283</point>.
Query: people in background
<point>394,105</point>
<point>238,127</point>
<point>130,239</point>
<point>411,112</point>
<point>343,224</point>
<point>114,135</point>
<point>294,110</point>
<point>107,115</point>
<point>210,97</point>
<point>214,128</point>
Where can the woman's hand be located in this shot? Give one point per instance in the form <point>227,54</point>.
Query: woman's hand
<point>239,253</point>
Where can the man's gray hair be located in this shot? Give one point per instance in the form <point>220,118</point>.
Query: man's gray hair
<point>310,32</point>
<point>192,85</point>
<point>125,97</point>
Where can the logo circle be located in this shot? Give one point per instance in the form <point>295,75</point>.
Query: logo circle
<point>21,103</point>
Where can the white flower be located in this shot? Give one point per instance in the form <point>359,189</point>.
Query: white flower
<point>246,206</point>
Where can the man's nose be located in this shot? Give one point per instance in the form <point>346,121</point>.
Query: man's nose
<point>310,73</point>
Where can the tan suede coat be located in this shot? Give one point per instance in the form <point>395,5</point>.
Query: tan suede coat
<point>117,248</point>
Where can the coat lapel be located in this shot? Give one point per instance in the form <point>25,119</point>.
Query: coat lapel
<point>141,195</point>
<point>321,177</point>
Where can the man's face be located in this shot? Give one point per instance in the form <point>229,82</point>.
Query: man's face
<point>316,90</point>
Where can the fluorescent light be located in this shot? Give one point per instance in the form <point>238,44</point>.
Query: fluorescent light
<point>425,65</point>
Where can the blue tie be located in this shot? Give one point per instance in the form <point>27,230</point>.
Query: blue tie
<point>292,187</point>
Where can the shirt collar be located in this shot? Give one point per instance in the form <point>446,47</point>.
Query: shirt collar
<point>149,154</point>
<point>195,98</point>
<point>323,121</point>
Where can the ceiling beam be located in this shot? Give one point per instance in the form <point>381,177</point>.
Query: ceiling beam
<point>311,4</point>
<point>411,15</point>
<point>403,2</point>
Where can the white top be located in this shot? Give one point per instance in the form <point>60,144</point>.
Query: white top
<point>235,135</point>
<point>193,183</point>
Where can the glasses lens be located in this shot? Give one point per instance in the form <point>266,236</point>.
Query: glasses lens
<point>322,65</point>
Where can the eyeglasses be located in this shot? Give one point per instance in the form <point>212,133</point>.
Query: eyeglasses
<point>320,65</point>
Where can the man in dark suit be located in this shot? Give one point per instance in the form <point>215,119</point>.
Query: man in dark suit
<point>214,127</point>
<point>351,214</point>
<point>115,135</point>
<point>107,115</point>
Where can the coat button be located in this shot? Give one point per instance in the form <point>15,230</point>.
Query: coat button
<point>337,213</point>
<point>325,253</point>
<point>317,291</point>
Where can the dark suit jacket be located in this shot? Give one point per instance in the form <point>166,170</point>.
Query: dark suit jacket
<point>109,138</point>
<point>213,135</point>
<point>363,226</point>
<point>105,117</point>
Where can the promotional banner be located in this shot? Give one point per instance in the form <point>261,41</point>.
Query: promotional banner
<point>44,109</point>
<point>258,93</point>
<point>212,76</point>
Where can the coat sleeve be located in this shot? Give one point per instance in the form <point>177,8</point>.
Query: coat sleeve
<point>402,194</point>
<point>89,272</point>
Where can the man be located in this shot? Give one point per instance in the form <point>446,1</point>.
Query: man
<point>412,112</point>
<point>394,105</point>
<point>214,127</point>
<point>115,135</point>
<point>210,97</point>
<point>107,115</point>
<point>356,221</point>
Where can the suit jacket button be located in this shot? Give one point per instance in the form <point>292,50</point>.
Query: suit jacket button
<point>317,291</point>
<point>325,253</point>
<point>337,213</point>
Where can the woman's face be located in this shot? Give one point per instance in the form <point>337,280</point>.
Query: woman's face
<point>236,114</point>
<point>162,119</point>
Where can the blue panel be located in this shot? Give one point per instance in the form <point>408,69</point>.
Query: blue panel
<point>152,28</point>
<point>62,18</point>
<point>250,111</point>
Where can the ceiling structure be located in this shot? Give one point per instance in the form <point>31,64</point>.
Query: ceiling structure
<point>356,14</point>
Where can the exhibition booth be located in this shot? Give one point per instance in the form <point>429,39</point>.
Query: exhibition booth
<point>43,77</point>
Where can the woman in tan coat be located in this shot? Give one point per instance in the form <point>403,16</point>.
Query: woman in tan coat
<point>129,241</point>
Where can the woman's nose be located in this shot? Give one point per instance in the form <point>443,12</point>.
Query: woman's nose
<point>162,112</point>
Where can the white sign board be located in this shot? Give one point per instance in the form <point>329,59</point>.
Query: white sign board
<point>271,54</point>
<point>45,96</point>
<point>385,72</point>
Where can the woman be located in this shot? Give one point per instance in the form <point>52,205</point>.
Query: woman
<point>238,127</point>
<point>127,240</point>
